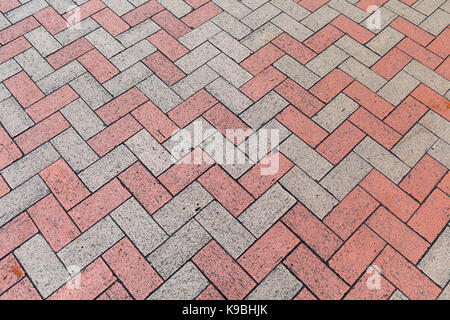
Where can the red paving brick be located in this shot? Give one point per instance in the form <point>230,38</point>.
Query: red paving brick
<point>379,239</point>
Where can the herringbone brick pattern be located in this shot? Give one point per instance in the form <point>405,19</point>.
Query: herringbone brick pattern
<point>93,92</point>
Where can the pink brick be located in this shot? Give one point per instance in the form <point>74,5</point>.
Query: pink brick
<point>142,12</point>
<point>18,29</point>
<point>323,38</point>
<point>4,189</point>
<point>406,115</point>
<point>327,88</point>
<point>93,281</point>
<point>299,97</point>
<point>24,290</point>
<point>262,58</point>
<point>210,293</point>
<point>41,133</point>
<point>115,292</point>
<point>52,103</point>
<point>16,232</point>
<point>145,187</point>
<point>174,26</point>
<point>53,222</point>
<point>391,64</point>
<point>192,108</point>
<point>312,231</point>
<point>164,68</point>
<point>261,84</point>
<point>64,184</point>
<point>111,22</point>
<point>98,66</point>
<point>85,10</point>
<point>265,254</point>
<point>155,121</point>
<point>10,272</point>
<point>420,53</point>
<point>23,89</point>
<point>51,20</point>
<point>168,45</point>
<point>353,29</point>
<point>361,291</point>
<point>294,48</point>
<point>9,152</point>
<point>121,105</point>
<point>8,5</point>
<point>412,31</point>
<point>229,193</point>
<point>202,14</point>
<point>69,53</point>
<point>99,204</point>
<point>13,48</point>
<point>115,134</point>
<point>223,271</point>
<point>132,269</point>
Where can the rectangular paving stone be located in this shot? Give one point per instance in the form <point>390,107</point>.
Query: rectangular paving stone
<point>348,9</point>
<point>179,8</point>
<point>230,70</point>
<point>194,82</point>
<point>91,91</point>
<point>197,57</point>
<point>43,41</point>
<point>107,168</point>
<point>91,244</point>
<point>319,18</point>
<point>160,94</point>
<point>292,27</point>
<point>231,97</point>
<point>436,124</point>
<point>76,31</point>
<point>225,229</point>
<point>74,150</point>
<point>260,37</point>
<point>27,9</point>
<point>139,226</point>
<point>436,22</point>
<point>296,71</point>
<point>182,208</point>
<point>13,118</point>
<point>34,64</point>
<point>424,74</point>
<point>21,198</point>
<point>199,35</point>
<point>127,79</point>
<point>233,7</point>
<point>83,119</point>
<point>104,42</point>
<point>260,16</point>
<point>119,7</point>
<point>133,54</point>
<point>398,88</point>
<point>346,175</point>
<point>441,151</point>
<point>357,50</point>
<point>266,210</point>
<point>291,8</point>
<point>61,77</point>
<point>8,69</point>
<point>179,248</point>
<point>309,192</point>
<point>326,61</point>
<point>364,75</point>
<point>187,283</point>
<point>383,42</point>
<point>405,11</point>
<point>230,46</point>
<point>138,33</point>
<point>42,265</point>
<point>30,164</point>
<point>231,25</point>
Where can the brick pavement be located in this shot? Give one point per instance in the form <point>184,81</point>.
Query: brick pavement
<point>96,204</point>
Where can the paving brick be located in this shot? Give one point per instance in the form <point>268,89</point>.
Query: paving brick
<point>192,108</point>
<point>16,232</point>
<point>398,88</point>
<point>142,279</point>
<point>91,91</point>
<point>17,84</point>
<point>61,77</point>
<point>327,60</point>
<point>13,118</point>
<point>319,278</point>
<point>320,17</point>
<point>11,272</point>
<point>223,271</point>
<point>196,81</point>
<point>142,12</point>
<point>109,20</point>
<point>230,46</point>
<point>138,33</point>
<point>98,65</point>
<point>231,25</point>
<point>323,38</point>
<point>104,42</point>
<point>164,68</point>
<point>260,37</point>
<point>210,293</point>
<point>115,292</point>
<point>42,265</point>
<point>69,53</point>
<point>51,20</point>
<point>361,290</point>
<point>354,30</point>
<point>262,58</point>
<point>127,79</point>
<point>24,290</point>
<point>18,29</point>
<point>296,71</point>
<point>9,151</point>
<point>394,61</point>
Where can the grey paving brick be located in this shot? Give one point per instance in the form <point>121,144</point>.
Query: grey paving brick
<point>42,265</point>
<point>436,22</point>
<point>91,91</point>
<point>139,226</point>
<point>159,93</point>
<point>194,82</point>
<point>91,244</point>
<point>107,168</point>
<point>21,198</point>
<point>179,248</point>
<point>43,41</point>
<point>4,23</point>
<point>414,145</point>
<point>104,42</point>
<point>120,7</point>
<point>61,77</point>
<point>83,119</point>
<point>280,284</point>
<point>230,70</point>
<point>309,160</point>
<point>385,17</point>
<point>292,27</point>
<point>398,88</point>
<point>327,60</point>
<point>382,159</point>
<point>33,64</point>
<point>360,72</point>
<point>179,8</point>
<point>76,31</point>
<point>29,165</point>
<point>133,54</point>
<point>335,112</point>
<point>348,9</point>
<point>405,11</point>
<point>260,37</point>
<point>424,74</point>
<point>346,175</point>
<point>398,295</point>
<point>296,71</point>
<point>230,46</point>
<point>13,118</point>
<point>320,18</point>
<point>74,150</point>
<point>266,210</point>
<point>309,192</point>
<point>231,97</point>
<point>357,50</point>
<point>231,25</point>
<point>138,33</point>
<point>427,6</point>
<point>436,124</point>
<point>441,152</point>
<point>291,8</point>
<point>436,261</point>
<point>8,69</point>
<point>260,16</point>
<point>186,284</point>
<point>150,152</point>
<point>62,6</point>
<point>197,57</point>
<point>263,110</point>
<point>4,93</point>
<point>225,229</point>
<point>182,208</point>
<point>199,35</point>
<point>127,79</point>
<point>254,4</point>
<point>445,294</point>
<point>233,7</point>
<point>25,10</point>
<point>385,40</point>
